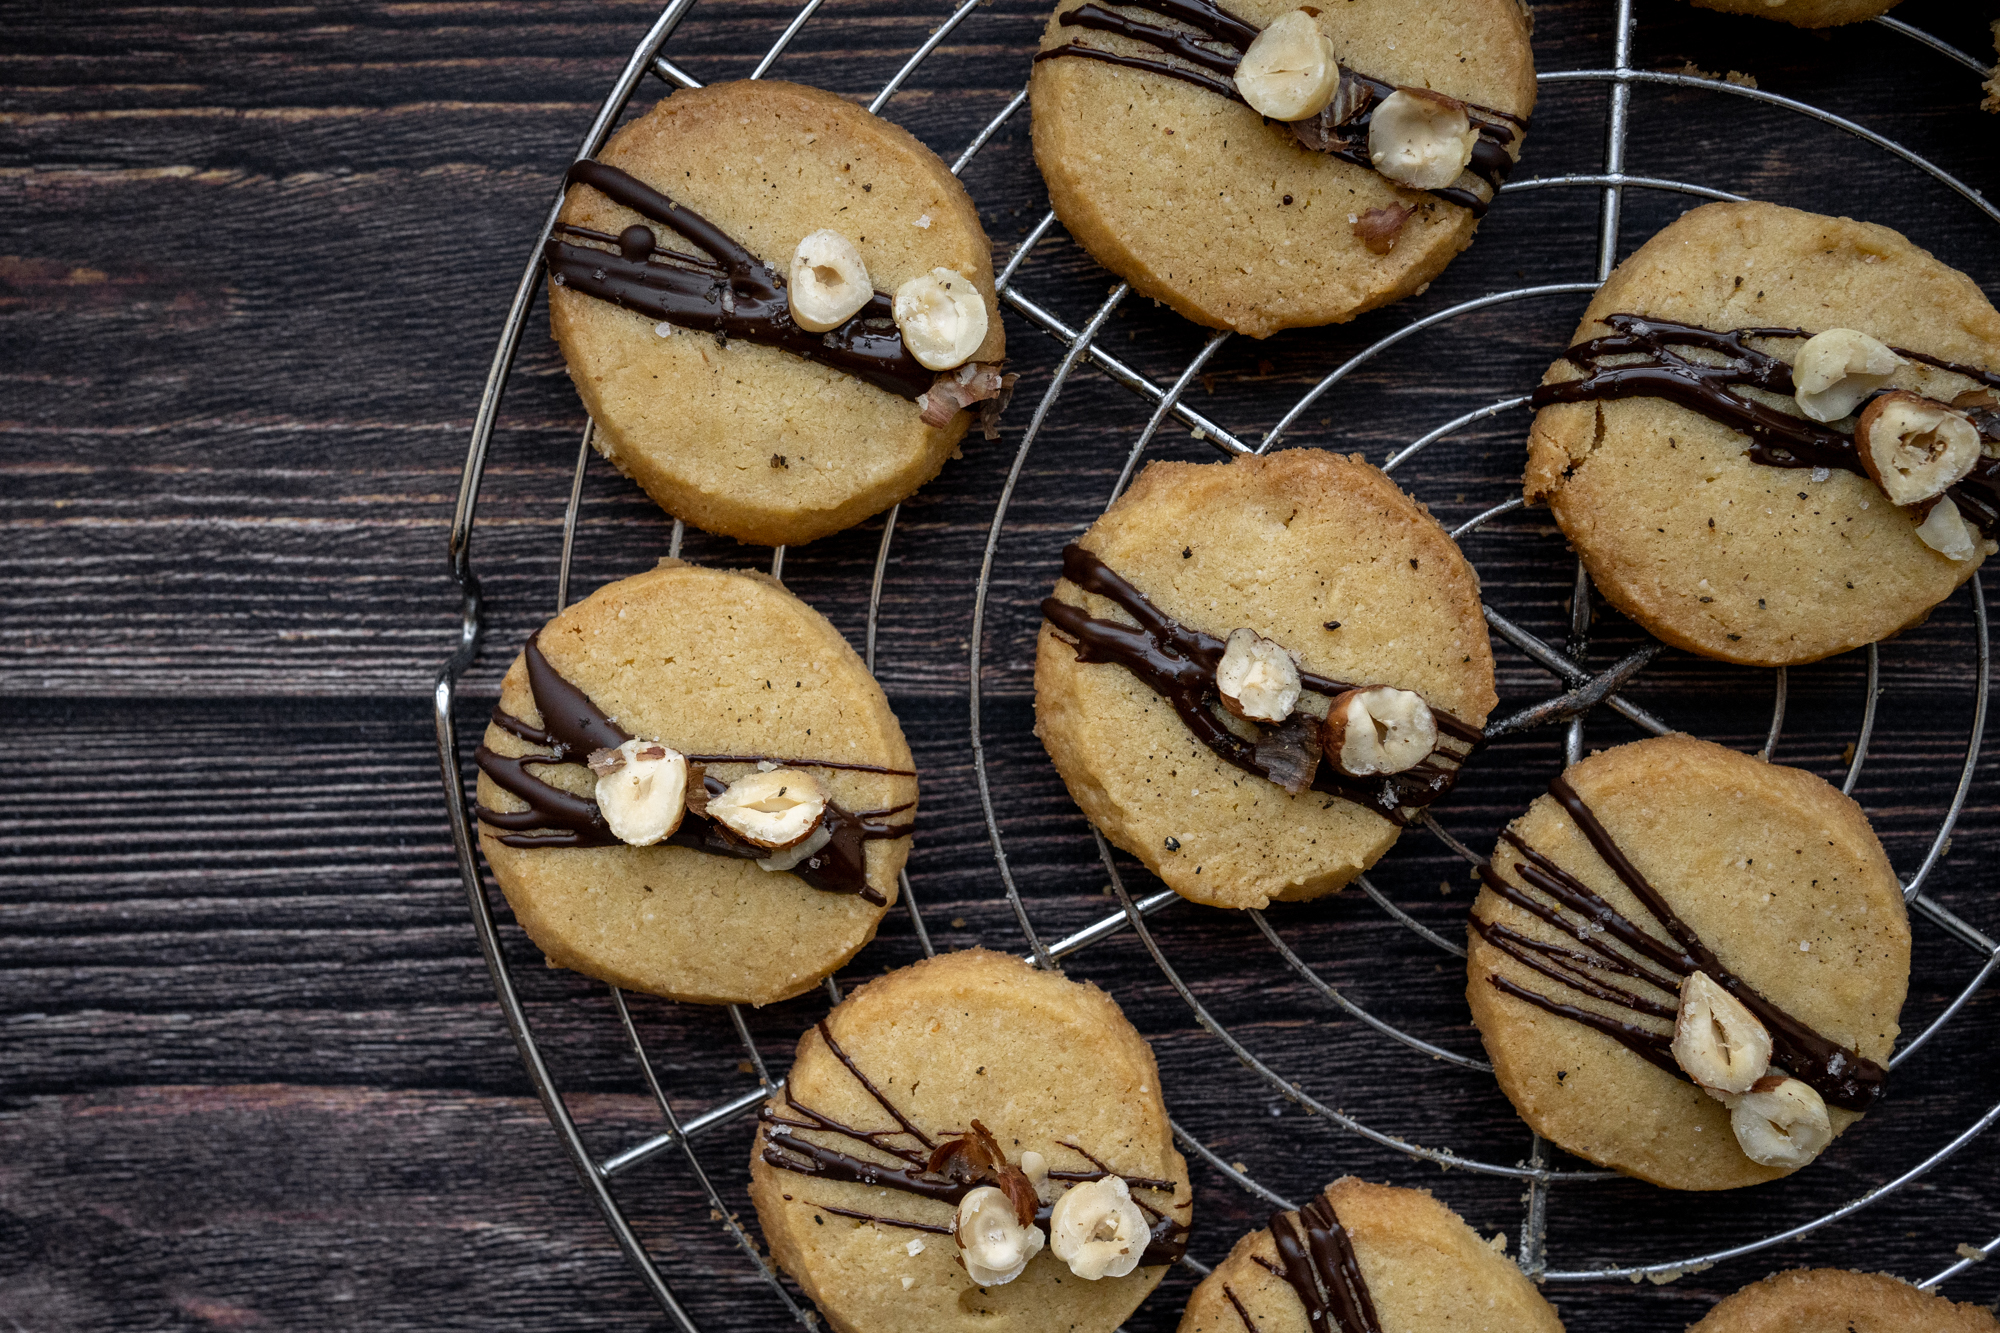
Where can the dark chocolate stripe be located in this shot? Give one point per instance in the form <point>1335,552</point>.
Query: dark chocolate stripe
<point>1842,1077</point>
<point>573,727</point>
<point>1322,1269</point>
<point>1178,664</point>
<point>1346,139</point>
<point>1249,1324</point>
<point>1166,1239</point>
<point>741,297</point>
<point>1777,438</point>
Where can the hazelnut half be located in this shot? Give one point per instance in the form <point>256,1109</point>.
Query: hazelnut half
<point>1098,1230</point>
<point>1717,1040</point>
<point>1835,370</point>
<point>1420,138</point>
<point>829,283</point>
<point>641,790</point>
<point>1781,1122</point>
<point>941,317</point>
<point>775,809</point>
<point>1913,447</point>
<point>1945,531</point>
<point>1257,678</point>
<point>993,1243</point>
<point>1289,71</point>
<point>1378,729</point>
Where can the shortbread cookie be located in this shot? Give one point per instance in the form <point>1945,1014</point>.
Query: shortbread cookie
<point>710,898</point>
<point>742,434</point>
<point>1771,963</point>
<point>968,1145</point>
<point>1197,200</point>
<point>1336,570</point>
<point>1376,1259</point>
<point>1804,13</point>
<point>1682,526</point>
<point>1833,1300</point>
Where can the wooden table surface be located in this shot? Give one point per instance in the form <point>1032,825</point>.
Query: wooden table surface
<point>252,1073</point>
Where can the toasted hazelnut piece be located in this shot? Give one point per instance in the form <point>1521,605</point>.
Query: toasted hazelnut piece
<point>1420,138</point>
<point>798,851</point>
<point>1913,447</point>
<point>1289,71</point>
<point>641,790</point>
<point>941,317</point>
<point>775,808</point>
<point>1035,1167</point>
<point>829,282</point>
<point>1835,370</point>
<point>1945,531</point>
<point>1257,678</point>
<point>1378,729</point>
<point>1098,1230</point>
<point>1717,1040</point>
<point>993,1244</point>
<point>1780,1122</point>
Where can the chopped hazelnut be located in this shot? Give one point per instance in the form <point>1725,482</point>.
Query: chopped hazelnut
<point>1835,370</point>
<point>942,318</point>
<point>1098,1230</point>
<point>1913,447</point>
<point>829,282</point>
<point>993,1243</point>
<point>1289,71</point>
<point>1257,678</point>
<point>774,808</point>
<point>1780,1122</point>
<point>641,790</point>
<point>1717,1040</point>
<point>1378,729</point>
<point>1420,138</point>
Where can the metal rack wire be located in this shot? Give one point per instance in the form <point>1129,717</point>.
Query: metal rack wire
<point>1583,689</point>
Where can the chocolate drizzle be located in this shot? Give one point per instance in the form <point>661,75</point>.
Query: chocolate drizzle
<point>1649,366</point>
<point>1178,664</point>
<point>1340,131</point>
<point>1249,1324</point>
<point>1844,1078</point>
<point>732,294</point>
<point>1322,1269</point>
<point>911,1173</point>
<point>572,727</point>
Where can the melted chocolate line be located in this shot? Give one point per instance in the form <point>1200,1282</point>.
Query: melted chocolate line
<point>806,763</point>
<point>1261,1261</point>
<point>885,1221</point>
<point>573,726</point>
<point>1220,87</point>
<point>1490,160</point>
<point>1178,664</point>
<point>1098,18</point>
<point>1580,933</point>
<point>1777,438</point>
<point>1572,893</point>
<point>1644,1042</point>
<point>1510,943</point>
<point>1322,1269</point>
<point>742,298</point>
<point>1572,958</point>
<point>1843,1077</point>
<point>826,1035</point>
<point>1166,1238</point>
<point>1249,1324</point>
<point>872,1137</point>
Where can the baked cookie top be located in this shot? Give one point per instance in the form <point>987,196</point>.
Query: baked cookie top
<point>1321,565</point>
<point>1172,181</point>
<point>1674,911</point>
<point>1833,1300</point>
<point>949,1140</point>
<point>1804,13</point>
<point>685,348</point>
<point>1387,1259</point>
<point>1707,506</point>
<point>704,872</point>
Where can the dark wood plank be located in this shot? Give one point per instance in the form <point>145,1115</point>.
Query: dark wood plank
<point>253,1074</point>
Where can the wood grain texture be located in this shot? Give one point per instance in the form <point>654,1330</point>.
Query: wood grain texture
<point>251,1070</point>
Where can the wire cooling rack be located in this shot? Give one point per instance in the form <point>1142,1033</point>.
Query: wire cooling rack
<point>1584,690</point>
